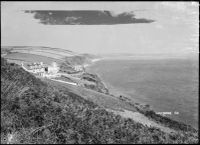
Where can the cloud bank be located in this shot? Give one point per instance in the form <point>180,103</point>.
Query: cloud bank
<point>85,17</point>
<point>174,30</point>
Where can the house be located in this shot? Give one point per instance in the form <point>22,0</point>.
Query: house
<point>42,69</point>
<point>53,69</point>
<point>78,67</point>
<point>36,68</point>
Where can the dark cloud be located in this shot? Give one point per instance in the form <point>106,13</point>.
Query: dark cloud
<point>85,17</point>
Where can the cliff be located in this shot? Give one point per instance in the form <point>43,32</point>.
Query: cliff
<point>99,86</point>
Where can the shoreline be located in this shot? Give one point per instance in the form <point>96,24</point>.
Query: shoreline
<point>113,91</point>
<point>92,62</point>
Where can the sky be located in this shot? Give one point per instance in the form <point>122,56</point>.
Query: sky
<point>175,30</point>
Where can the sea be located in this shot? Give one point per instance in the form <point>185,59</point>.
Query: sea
<point>167,85</point>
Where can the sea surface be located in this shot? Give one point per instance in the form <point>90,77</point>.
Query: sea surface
<point>167,85</point>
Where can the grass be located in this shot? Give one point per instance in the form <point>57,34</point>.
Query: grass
<point>101,99</point>
<point>31,58</point>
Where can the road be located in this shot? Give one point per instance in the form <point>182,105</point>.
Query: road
<point>64,82</point>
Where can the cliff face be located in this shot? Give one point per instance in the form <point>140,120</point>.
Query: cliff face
<point>33,111</point>
<point>69,62</point>
<point>99,86</point>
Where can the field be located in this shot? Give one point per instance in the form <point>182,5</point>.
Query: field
<point>38,48</point>
<point>36,53</point>
<point>31,58</point>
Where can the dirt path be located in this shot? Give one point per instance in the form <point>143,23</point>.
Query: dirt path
<point>138,117</point>
<point>64,82</point>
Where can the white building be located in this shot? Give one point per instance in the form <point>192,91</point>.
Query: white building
<point>42,69</point>
<point>78,67</point>
<point>53,69</point>
<point>37,68</point>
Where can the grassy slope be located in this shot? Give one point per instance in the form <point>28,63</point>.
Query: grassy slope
<point>36,53</point>
<point>31,58</point>
<point>101,99</point>
<point>111,102</point>
<point>33,111</point>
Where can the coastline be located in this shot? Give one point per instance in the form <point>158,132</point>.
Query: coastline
<point>93,61</point>
<point>116,92</point>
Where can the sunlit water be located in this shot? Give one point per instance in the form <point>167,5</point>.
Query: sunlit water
<point>166,85</point>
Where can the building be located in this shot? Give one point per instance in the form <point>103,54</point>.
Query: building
<point>78,68</point>
<point>41,69</point>
<point>53,69</point>
<point>36,68</point>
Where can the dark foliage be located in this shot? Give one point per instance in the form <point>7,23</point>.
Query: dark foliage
<point>99,86</point>
<point>76,60</point>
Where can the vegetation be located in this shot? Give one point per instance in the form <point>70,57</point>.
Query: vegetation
<point>66,68</point>
<point>35,112</point>
<point>99,86</point>
<point>69,62</point>
<point>77,60</point>
<point>165,120</point>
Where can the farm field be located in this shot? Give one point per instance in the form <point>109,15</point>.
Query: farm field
<point>31,58</point>
<point>41,53</point>
<point>57,53</point>
<point>49,51</point>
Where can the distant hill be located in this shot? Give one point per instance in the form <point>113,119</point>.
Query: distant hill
<point>45,54</point>
<point>56,53</point>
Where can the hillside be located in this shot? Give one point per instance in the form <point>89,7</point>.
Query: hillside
<point>34,111</point>
<point>65,59</point>
<point>45,54</point>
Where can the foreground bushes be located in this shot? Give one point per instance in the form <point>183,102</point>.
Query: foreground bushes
<point>165,120</point>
